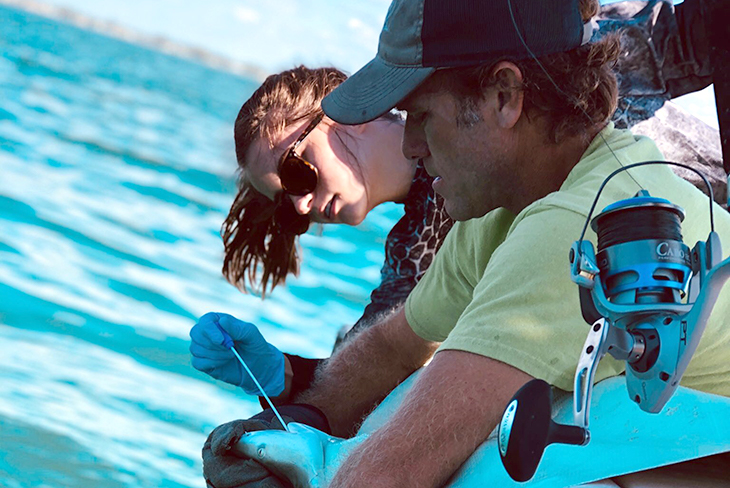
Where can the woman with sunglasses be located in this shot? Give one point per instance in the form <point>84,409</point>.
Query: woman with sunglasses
<point>297,167</point>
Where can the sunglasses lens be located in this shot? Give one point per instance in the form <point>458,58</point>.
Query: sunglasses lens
<point>288,220</point>
<point>297,176</point>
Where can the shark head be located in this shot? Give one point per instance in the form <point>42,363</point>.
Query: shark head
<point>299,455</point>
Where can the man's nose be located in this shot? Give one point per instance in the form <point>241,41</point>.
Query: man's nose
<point>414,140</point>
<point>302,204</point>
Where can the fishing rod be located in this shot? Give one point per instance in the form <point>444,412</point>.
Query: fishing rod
<point>646,295</point>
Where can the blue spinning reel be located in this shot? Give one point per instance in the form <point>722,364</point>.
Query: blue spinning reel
<point>647,297</point>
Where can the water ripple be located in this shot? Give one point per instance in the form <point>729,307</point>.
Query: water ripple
<point>116,170</point>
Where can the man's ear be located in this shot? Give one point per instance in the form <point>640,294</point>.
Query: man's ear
<point>509,93</point>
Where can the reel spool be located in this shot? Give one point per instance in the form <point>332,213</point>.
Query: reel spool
<point>641,256</point>
<point>647,297</point>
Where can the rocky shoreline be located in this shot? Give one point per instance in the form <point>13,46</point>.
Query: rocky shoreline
<point>684,138</point>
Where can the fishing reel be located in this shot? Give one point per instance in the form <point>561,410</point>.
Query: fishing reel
<point>647,297</point>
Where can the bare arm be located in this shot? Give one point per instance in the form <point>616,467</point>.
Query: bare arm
<point>364,370</point>
<point>454,405</point>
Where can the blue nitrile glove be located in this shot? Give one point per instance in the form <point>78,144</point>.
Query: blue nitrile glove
<point>211,356</point>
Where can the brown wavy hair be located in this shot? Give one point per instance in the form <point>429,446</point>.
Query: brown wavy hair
<point>260,236</point>
<point>576,89</point>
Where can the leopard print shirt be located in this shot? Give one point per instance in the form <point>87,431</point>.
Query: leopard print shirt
<point>410,247</point>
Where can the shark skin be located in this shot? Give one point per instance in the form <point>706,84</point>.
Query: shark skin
<point>308,457</point>
<point>624,440</point>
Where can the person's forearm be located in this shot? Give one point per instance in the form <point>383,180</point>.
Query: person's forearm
<point>362,372</point>
<point>454,405</point>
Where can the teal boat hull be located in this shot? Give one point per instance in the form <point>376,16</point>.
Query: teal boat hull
<point>624,439</point>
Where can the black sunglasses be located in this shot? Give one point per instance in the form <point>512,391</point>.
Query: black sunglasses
<point>298,176</point>
<point>286,219</point>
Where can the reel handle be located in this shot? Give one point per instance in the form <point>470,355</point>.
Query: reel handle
<point>527,429</point>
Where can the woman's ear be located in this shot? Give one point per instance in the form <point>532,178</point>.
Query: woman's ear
<point>509,93</point>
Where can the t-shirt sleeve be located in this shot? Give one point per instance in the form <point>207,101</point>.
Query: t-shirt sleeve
<point>437,302</point>
<point>525,309</point>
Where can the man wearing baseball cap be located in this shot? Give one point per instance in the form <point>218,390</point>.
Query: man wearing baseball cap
<point>508,107</point>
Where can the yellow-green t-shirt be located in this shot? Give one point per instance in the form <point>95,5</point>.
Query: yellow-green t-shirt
<point>500,285</point>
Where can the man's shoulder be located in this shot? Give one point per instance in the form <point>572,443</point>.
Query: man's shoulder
<point>610,150</point>
<point>493,222</point>
<point>561,211</point>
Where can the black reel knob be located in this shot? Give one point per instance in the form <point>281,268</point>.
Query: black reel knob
<point>527,429</point>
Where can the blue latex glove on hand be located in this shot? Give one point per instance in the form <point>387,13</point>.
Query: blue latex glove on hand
<point>212,357</point>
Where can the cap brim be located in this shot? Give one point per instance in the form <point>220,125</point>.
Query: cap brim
<point>375,89</point>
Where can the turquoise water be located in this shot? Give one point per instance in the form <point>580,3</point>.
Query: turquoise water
<point>116,171</point>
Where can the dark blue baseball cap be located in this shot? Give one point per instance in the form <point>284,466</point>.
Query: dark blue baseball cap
<point>420,36</point>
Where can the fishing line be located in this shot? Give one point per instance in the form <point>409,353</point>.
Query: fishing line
<point>710,192</point>
<point>640,224</point>
<point>263,393</point>
<point>228,343</point>
<point>529,51</point>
